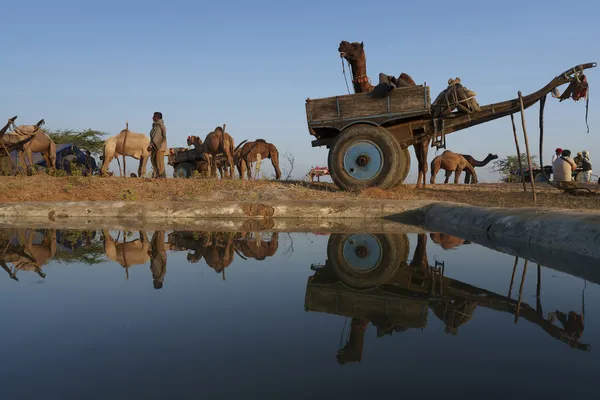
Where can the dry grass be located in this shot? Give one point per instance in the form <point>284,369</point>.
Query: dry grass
<point>47,188</point>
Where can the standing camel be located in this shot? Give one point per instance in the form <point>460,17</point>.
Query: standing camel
<point>451,162</point>
<point>354,53</point>
<point>257,151</point>
<point>204,166</point>
<point>216,142</point>
<point>136,147</point>
<point>476,163</point>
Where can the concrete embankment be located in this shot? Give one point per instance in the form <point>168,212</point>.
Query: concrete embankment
<point>561,231</point>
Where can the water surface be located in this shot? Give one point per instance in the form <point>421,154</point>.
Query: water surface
<point>107,314</point>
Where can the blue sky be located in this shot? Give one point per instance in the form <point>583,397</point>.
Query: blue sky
<point>252,65</point>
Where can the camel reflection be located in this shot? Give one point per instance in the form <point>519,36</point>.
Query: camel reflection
<point>367,278</point>
<point>447,242</point>
<point>219,248</point>
<point>27,250</point>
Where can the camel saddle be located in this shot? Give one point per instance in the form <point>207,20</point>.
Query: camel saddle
<point>455,96</point>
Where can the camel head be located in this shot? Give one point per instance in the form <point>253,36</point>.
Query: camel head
<point>352,51</point>
<point>491,157</point>
<point>194,141</point>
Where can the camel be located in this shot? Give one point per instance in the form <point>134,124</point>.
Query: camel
<point>216,142</point>
<point>136,147</point>
<point>451,162</point>
<point>354,53</point>
<point>203,166</point>
<point>446,241</point>
<point>256,151</point>
<point>41,143</point>
<point>476,163</point>
<point>318,172</point>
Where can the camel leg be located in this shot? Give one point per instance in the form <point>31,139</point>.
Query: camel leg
<point>275,163</point>
<point>448,173</point>
<point>242,168</point>
<point>418,154</point>
<point>467,177</point>
<point>248,168</point>
<point>434,172</point>
<point>230,166</point>
<point>424,152</point>
<point>457,173</point>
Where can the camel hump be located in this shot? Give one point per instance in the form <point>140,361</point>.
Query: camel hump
<point>260,141</point>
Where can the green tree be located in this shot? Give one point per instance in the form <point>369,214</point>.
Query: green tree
<point>88,139</point>
<point>508,167</point>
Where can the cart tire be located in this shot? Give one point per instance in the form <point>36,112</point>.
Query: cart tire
<point>541,177</point>
<point>364,260</point>
<point>579,177</point>
<point>404,166</point>
<point>183,170</point>
<point>365,156</point>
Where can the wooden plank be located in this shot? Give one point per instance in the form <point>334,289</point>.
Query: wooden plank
<point>403,100</point>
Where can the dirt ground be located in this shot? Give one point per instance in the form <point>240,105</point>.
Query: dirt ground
<point>47,188</point>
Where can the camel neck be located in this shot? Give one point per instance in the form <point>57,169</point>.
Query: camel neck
<point>359,69</point>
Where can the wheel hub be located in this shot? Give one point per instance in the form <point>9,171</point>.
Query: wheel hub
<point>363,160</point>
<point>362,252</point>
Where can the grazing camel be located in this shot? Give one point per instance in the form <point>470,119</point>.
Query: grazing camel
<point>256,151</point>
<point>216,142</point>
<point>27,256</point>
<point>451,162</point>
<point>136,147</point>
<point>476,163</point>
<point>41,143</point>
<point>354,53</point>
<point>256,247</point>
<point>203,166</point>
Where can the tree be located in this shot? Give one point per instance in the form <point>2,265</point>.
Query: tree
<point>508,167</point>
<point>88,139</point>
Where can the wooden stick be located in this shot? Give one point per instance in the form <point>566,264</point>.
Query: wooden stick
<point>531,178</point>
<point>512,118</point>
<point>512,279</point>
<point>123,155</point>
<point>521,292</point>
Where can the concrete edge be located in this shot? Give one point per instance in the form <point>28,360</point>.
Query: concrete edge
<point>567,232</point>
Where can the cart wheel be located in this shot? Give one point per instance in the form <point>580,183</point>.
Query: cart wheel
<point>404,166</point>
<point>365,156</point>
<point>541,177</point>
<point>183,170</point>
<point>366,260</point>
<point>579,177</point>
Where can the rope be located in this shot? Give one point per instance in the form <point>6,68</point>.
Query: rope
<point>344,73</point>
<point>587,105</point>
<point>342,335</point>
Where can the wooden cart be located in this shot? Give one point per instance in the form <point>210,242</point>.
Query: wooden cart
<point>368,138</point>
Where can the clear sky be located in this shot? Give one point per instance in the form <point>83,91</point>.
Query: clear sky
<point>251,65</point>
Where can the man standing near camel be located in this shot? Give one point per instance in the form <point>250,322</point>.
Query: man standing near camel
<point>158,145</point>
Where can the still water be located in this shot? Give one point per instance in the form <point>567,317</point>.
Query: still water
<point>172,314</point>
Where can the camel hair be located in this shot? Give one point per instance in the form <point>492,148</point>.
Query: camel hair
<point>451,162</point>
<point>476,163</point>
<point>354,53</point>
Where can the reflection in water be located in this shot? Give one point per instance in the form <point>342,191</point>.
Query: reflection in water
<point>29,250</point>
<point>368,278</point>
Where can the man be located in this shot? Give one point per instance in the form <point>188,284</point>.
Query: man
<point>90,163</point>
<point>586,164</point>
<point>158,259</point>
<point>578,158</point>
<point>556,155</point>
<point>158,145</point>
<point>563,167</point>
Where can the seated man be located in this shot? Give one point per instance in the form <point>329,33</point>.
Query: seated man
<point>563,167</point>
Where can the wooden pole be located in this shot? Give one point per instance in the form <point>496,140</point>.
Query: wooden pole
<point>123,154</point>
<point>512,118</point>
<point>521,292</point>
<point>512,279</point>
<point>539,290</point>
<point>531,178</point>
<point>542,104</point>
